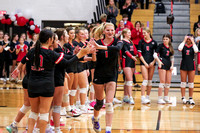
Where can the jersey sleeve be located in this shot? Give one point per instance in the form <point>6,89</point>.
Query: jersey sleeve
<point>158,48</point>
<point>155,45</point>
<point>116,48</point>
<point>139,50</point>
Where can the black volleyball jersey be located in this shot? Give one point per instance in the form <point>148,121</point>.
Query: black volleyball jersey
<point>164,54</point>
<point>43,77</point>
<point>188,55</point>
<point>107,60</point>
<point>69,48</point>
<point>128,49</point>
<point>147,49</point>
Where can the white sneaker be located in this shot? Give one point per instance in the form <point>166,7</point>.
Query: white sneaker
<point>85,110</point>
<point>167,100</point>
<point>63,112</point>
<point>131,101</point>
<point>161,101</point>
<point>89,107</point>
<point>191,102</point>
<point>116,101</point>
<point>145,101</point>
<point>184,101</point>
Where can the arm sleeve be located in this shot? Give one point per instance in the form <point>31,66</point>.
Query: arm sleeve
<point>158,49</point>
<point>180,47</point>
<point>195,48</point>
<point>135,50</point>
<point>59,59</point>
<point>116,48</point>
<point>115,13</point>
<point>139,49</point>
<point>133,33</point>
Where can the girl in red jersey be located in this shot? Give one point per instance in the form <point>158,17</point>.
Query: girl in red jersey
<point>165,66</point>
<point>21,50</point>
<point>146,49</point>
<point>187,68</point>
<point>128,63</point>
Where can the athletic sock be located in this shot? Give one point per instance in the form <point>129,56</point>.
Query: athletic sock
<point>14,124</point>
<point>108,128</point>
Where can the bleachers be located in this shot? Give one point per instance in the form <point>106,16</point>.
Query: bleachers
<point>194,12</point>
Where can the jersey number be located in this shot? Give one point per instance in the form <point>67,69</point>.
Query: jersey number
<point>187,52</point>
<point>147,48</point>
<point>131,48</point>
<point>106,54</point>
<point>167,53</point>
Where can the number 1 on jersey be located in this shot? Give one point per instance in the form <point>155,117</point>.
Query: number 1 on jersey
<point>41,61</point>
<point>106,54</point>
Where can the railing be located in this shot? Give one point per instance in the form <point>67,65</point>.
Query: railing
<point>100,9</point>
<point>171,26</point>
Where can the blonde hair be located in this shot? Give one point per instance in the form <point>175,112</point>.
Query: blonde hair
<point>99,30</point>
<point>114,7</point>
<point>125,31</point>
<point>148,31</point>
<point>196,32</point>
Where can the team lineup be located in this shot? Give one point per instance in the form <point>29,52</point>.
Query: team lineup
<point>59,63</point>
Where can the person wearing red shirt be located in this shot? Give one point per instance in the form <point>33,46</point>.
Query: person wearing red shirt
<point>21,50</point>
<point>118,31</point>
<point>136,34</point>
<point>127,23</point>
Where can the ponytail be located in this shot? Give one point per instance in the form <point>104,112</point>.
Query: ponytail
<point>99,30</point>
<point>37,54</point>
<point>148,31</point>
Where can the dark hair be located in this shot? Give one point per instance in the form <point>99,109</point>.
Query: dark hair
<point>60,33</point>
<point>43,38</point>
<point>78,29</point>
<point>13,36</point>
<point>139,23</point>
<point>191,35</point>
<point>22,34</point>
<point>125,16</point>
<point>170,43</point>
<point>69,29</point>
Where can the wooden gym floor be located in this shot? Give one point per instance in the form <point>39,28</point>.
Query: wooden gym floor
<point>154,118</point>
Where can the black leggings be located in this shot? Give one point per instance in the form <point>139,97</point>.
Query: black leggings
<point>1,68</point>
<point>142,4</point>
<point>7,69</point>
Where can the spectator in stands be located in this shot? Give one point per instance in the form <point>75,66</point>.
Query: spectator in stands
<point>103,18</point>
<point>21,50</point>
<point>197,35</point>
<point>142,4</point>
<point>115,1</point>
<point>136,34</point>
<point>13,44</point>
<point>197,24</point>
<point>8,57</point>
<point>127,23</point>
<point>23,35</point>
<point>1,35</point>
<point>34,40</point>
<point>118,31</point>
<point>128,8</point>
<point>111,11</point>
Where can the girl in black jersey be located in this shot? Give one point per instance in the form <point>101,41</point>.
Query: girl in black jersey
<point>128,63</point>
<point>146,49</point>
<point>187,68</point>
<point>41,78</point>
<point>82,74</point>
<point>105,74</point>
<point>14,42</point>
<point>72,72</point>
<point>165,67</point>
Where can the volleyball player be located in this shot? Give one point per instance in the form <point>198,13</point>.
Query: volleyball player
<point>41,79</point>
<point>105,74</point>
<point>146,49</point>
<point>187,68</point>
<point>128,63</point>
<point>165,66</point>
<point>72,72</point>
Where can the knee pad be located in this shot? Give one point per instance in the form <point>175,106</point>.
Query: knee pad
<point>24,109</point>
<point>66,98</point>
<point>145,82</point>
<point>33,115</point>
<point>56,109</point>
<point>83,90</point>
<point>191,85</point>
<point>149,83</point>
<point>98,105</point>
<point>109,108</point>
<point>183,84</point>
<point>73,92</point>
<point>161,85</point>
<point>92,88</point>
<point>167,86</point>
<point>129,83</point>
<point>44,117</point>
